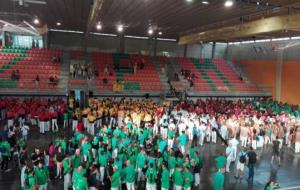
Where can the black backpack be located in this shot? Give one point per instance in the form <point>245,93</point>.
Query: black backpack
<point>243,158</point>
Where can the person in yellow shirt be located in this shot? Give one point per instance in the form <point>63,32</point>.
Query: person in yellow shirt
<point>91,118</point>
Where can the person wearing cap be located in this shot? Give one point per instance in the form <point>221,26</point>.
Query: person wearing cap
<point>151,177</point>
<point>115,179</point>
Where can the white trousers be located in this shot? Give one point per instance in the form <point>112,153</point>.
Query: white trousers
<point>297,147</point>
<point>130,186</point>
<point>54,125</point>
<point>42,127</point>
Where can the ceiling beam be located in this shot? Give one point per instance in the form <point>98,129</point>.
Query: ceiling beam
<point>263,26</point>
<point>94,13</point>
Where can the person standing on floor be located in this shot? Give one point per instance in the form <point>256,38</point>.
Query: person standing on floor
<point>219,179</point>
<point>165,178</point>
<point>252,157</point>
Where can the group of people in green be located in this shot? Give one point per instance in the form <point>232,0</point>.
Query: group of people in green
<point>116,158</point>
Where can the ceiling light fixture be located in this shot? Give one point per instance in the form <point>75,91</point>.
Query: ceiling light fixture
<point>98,26</point>
<point>189,1</point>
<point>150,31</point>
<point>257,3</point>
<point>120,28</point>
<point>160,33</point>
<point>205,2</point>
<point>36,21</point>
<point>58,24</point>
<point>228,3</point>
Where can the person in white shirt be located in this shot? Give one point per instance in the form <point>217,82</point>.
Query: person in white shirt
<point>229,156</point>
<point>181,127</point>
<point>234,143</point>
<point>25,129</point>
<point>202,129</point>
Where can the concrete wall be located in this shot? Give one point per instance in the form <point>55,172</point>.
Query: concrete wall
<point>73,41</point>
<point>260,66</point>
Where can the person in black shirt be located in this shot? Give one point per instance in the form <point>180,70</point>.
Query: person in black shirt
<point>276,145</point>
<point>59,158</point>
<point>36,156</point>
<point>251,162</point>
<point>92,177</point>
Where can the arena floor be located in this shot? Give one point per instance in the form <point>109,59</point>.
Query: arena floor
<point>288,174</point>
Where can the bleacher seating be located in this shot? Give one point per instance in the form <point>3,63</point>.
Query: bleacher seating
<point>214,75</point>
<point>119,68</point>
<point>29,63</point>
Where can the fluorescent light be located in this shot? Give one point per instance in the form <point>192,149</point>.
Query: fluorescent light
<point>295,38</point>
<point>160,33</point>
<point>189,0</point>
<point>167,39</point>
<point>66,31</point>
<point>280,39</point>
<point>120,28</point>
<point>205,2</point>
<point>257,3</point>
<point>103,34</point>
<point>58,24</point>
<point>136,37</point>
<point>228,3</point>
<point>150,31</point>
<point>266,40</point>
<point>36,21</point>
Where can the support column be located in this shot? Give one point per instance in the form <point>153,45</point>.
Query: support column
<point>122,44</point>
<point>278,76</point>
<point>155,47</point>
<point>3,38</point>
<point>213,49</point>
<point>185,50</point>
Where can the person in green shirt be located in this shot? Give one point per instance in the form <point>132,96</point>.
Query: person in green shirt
<point>102,160</point>
<point>188,179</point>
<point>67,172</point>
<point>171,163</point>
<point>30,180</point>
<point>141,162</point>
<point>151,177</point>
<point>219,180</point>
<point>115,179</point>
<point>178,178</point>
<point>76,159</point>
<point>130,175</point>
<point>171,134</point>
<point>42,176</point>
<point>220,161</point>
<point>5,147</point>
<point>165,178</point>
<point>80,183</point>
<point>182,142</point>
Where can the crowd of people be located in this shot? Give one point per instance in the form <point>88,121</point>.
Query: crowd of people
<point>82,71</point>
<point>144,144</point>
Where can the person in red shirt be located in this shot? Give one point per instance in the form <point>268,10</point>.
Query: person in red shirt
<point>80,126</point>
<point>42,123</point>
<point>54,116</point>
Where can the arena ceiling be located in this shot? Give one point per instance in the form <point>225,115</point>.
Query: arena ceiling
<point>171,17</point>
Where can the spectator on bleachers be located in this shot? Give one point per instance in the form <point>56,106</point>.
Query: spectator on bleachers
<point>37,80</point>
<point>106,72</point>
<point>135,68</point>
<point>13,75</point>
<point>17,74</point>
